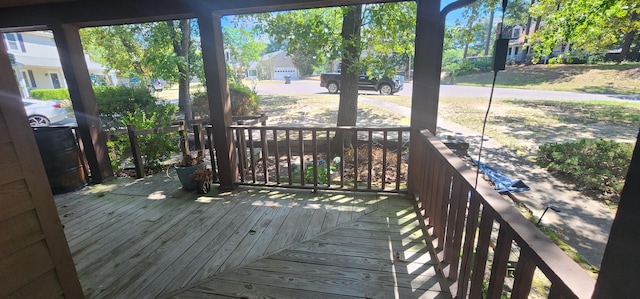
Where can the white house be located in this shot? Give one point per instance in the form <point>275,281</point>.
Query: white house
<point>273,66</point>
<point>37,64</point>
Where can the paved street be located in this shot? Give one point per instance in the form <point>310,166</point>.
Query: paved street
<point>313,87</point>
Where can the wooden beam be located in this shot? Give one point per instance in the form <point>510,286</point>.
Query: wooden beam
<point>619,270</point>
<point>426,79</point>
<point>83,99</point>
<point>218,94</point>
<point>114,12</point>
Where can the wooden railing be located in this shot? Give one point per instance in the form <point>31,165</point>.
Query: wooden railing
<point>321,158</point>
<point>473,227</point>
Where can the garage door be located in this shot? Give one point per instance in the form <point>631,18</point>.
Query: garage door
<point>279,73</point>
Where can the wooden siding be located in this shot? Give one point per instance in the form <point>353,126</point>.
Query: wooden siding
<point>149,238</point>
<point>35,261</point>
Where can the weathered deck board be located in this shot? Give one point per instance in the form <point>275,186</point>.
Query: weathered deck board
<point>148,238</point>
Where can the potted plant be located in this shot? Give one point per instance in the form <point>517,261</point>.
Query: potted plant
<point>186,167</point>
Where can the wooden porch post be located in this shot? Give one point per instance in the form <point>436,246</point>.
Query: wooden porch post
<point>426,79</point>
<point>218,94</point>
<point>75,69</point>
<point>620,267</point>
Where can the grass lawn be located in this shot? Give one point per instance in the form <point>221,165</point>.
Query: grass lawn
<point>600,78</point>
<point>523,125</point>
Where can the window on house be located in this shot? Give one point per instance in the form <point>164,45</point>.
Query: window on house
<point>509,51</point>
<point>516,32</point>
<point>31,79</point>
<point>516,51</point>
<point>12,41</point>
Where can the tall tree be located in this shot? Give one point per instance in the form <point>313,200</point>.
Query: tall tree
<point>589,26</point>
<point>243,46</point>
<point>368,37</point>
<point>147,51</point>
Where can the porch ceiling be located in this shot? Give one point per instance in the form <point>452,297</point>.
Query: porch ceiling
<point>40,14</point>
<point>148,237</point>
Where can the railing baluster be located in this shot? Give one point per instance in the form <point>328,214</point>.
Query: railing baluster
<point>461,195</point>
<point>314,151</point>
<point>438,201</point>
<point>328,158</point>
<point>214,161</point>
<point>197,139</point>
<point>354,141</point>
<point>340,136</point>
<point>469,241</point>
<point>399,161</point>
<point>288,145</point>
<point>424,173</point>
<point>499,268</point>
<point>303,167</point>
<point>482,251</point>
<point>265,154</point>
<point>242,151</point>
<point>252,154</point>
<point>523,276</point>
<point>451,222</point>
<point>277,155</point>
<point>385,147</point>
<point>434,168</point>
<point>135,150</point>
<point>444,206</point>
<point>370,162</point>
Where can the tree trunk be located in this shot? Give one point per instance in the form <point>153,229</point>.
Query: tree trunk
<point>628,39</point>
<point>351,50</point>
<point>181,48</point>
<point>183,88</point>
<point>635,55</point>
<point>487,42</point>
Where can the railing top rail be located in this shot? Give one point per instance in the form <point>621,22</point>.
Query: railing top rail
<point>549,258</point>
<point>320,128</point>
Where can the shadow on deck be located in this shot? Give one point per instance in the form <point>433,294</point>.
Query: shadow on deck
<point>148,238</point>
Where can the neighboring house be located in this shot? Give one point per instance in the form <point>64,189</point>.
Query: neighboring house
<point>37,65</point>
<point>517,50</point>
<point>273,66</point>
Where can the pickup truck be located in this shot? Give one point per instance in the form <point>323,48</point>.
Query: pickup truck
<point>384,85</point>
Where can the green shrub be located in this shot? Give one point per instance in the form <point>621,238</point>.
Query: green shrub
<point>155,148</point>
<point>244,101</point>
<point>600,164</point>
<point>116,101</point>
<point>469,66</point>
<point>50,94</point>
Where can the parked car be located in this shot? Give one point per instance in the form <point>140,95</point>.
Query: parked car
<point>384,85</point>
<point>43,113</point>
<point>157,85</point>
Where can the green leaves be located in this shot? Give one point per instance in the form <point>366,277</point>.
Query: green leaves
<point>588,26</point>
<point>313,36</point>
<point>138,50</point>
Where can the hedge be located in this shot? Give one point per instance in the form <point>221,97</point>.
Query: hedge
<point>50,94</point>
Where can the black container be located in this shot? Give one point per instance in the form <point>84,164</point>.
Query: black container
<point>61,158</point>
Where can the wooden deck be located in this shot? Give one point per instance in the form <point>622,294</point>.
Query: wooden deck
<point>148,238</point>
